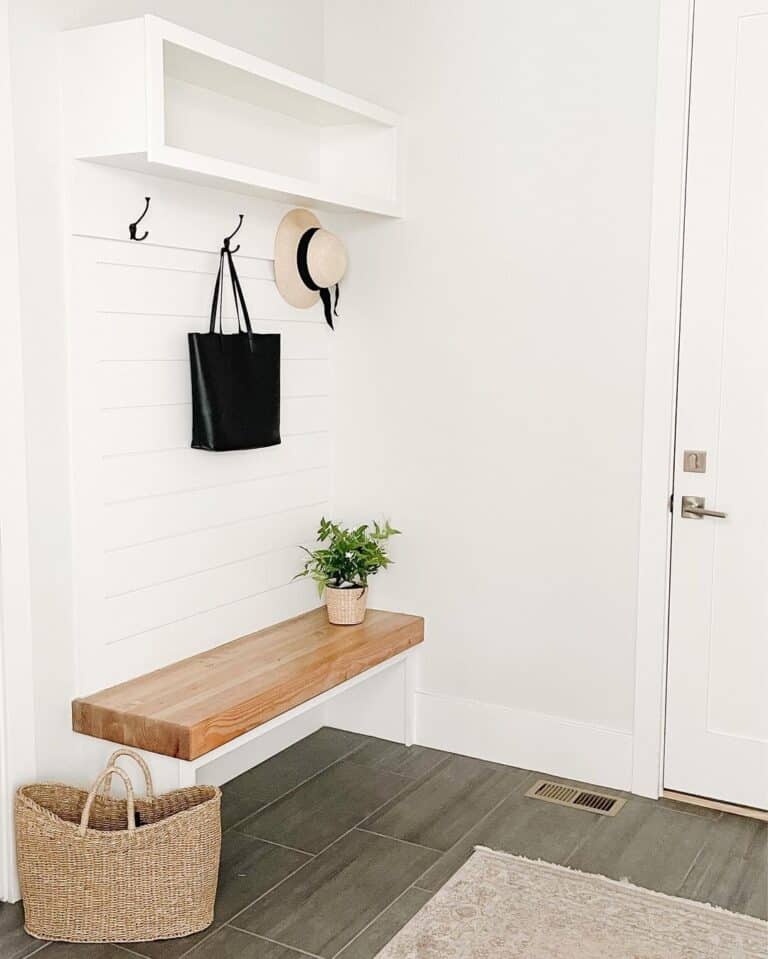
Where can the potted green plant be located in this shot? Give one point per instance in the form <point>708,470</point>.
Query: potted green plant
<point>342,564</point>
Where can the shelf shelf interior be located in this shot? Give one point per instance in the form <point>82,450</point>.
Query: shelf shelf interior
<point>214,109</point>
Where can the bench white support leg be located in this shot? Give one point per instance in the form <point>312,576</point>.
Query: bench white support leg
<point>409,697</point>
<point>187,774</point>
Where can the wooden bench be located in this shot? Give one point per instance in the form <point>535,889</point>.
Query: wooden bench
<point>199,708</point>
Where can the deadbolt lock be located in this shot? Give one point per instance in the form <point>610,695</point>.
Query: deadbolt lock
<point>694,461</point>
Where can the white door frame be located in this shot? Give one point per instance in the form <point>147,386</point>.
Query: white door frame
<point>17,738</point>
<point>659,411</point>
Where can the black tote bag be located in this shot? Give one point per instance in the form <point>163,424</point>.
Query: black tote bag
<point>235,378</point>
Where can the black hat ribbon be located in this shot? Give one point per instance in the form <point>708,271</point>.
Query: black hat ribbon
<point>306,277</point>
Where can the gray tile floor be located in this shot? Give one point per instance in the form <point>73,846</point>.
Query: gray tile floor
<point>331,846</point>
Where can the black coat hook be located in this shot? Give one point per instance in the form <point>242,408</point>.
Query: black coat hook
<point>228,238</point>
<point>132,226</point>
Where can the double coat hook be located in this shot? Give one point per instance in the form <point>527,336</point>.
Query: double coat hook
<point>132,226</point>
<point>228,238</point>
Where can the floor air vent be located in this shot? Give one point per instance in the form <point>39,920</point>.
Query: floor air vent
<point>563,795</point>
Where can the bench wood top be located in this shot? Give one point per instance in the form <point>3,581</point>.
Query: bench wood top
<point>191,707</point>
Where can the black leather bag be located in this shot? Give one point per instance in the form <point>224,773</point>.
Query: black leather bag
<point>235,378</point>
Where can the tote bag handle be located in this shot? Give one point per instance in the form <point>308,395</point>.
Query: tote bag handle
<point>130,815</point>
<point>237,292</point>
<point>139,760</point>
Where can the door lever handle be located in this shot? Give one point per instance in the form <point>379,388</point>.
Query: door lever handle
<point>693,507</point>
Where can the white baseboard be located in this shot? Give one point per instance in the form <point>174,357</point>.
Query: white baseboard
<point>536,741</point>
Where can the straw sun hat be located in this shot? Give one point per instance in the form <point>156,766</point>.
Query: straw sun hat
<point>308,262</point>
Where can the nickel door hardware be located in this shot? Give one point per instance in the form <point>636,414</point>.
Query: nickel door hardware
<point>693,507</point>
<point>694,461</point>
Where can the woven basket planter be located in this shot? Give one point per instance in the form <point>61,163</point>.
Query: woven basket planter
<point>89,873</point>
<point>346,607</point>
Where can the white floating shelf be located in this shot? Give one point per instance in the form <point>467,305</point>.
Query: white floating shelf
<point>148,95</point>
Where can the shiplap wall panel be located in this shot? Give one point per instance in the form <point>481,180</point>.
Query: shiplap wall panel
<point>149,518</point>
<point>143,610</point>
<point>140,429</point>
<point>138,476</point>
<point>193,552</point>
<point>143,289</point>
<point>177,550</point>
<point>182,260</point>
<point>131,336</point>
<point>159,382</point>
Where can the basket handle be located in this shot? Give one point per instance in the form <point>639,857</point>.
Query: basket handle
<point>94,790</point>
<point>112,761</point>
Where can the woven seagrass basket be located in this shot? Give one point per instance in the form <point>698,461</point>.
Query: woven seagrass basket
<point>97,869</point>
<point>346,607</point>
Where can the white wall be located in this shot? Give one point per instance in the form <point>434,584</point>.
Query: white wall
<point>287,31</point>
<point>491,369</point>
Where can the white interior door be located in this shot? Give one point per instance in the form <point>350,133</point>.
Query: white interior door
<point>717,695</point>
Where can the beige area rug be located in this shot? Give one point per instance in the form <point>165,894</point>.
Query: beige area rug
<point>499,906</point>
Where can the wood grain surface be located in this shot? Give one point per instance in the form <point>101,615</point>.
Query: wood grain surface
<point>191,707</point>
